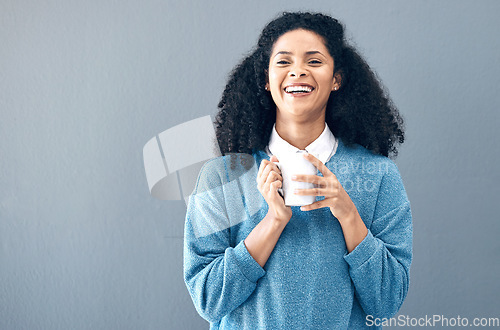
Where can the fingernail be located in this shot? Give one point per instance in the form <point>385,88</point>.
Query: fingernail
<point>296,191</point>
<point>302,208</point>
<point>294,177</point>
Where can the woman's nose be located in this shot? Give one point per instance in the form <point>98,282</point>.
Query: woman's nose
<point>297,71</point>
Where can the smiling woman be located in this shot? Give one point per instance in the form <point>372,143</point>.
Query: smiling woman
<point>301,79</point>
<point>258,262</point>
<point>301,75</point>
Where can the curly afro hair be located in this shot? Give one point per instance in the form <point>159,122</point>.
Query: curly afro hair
<point>360,112</point>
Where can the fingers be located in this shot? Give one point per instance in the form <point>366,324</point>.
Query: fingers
<point>273,188</point>
<point>271,169</point>
<point>319,165</point>
<point>313,192</point>
<point>269,181</point>
<point>315,205</point>
<point>318,180</point>
<point>268,174</point>
<point>266,165</point>
<point>262,166</point>
<point>330,184</point>
<point>271,177</point>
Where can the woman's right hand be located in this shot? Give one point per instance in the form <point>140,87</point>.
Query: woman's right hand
<point>269,180</point>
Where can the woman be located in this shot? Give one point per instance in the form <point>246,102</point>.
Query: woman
<point>250,262</point>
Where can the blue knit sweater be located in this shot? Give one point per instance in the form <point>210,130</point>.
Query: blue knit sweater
<point>309,281</point>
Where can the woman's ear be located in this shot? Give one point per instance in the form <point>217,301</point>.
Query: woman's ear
<point>337,81</point>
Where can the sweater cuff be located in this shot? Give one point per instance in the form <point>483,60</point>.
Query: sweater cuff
<point>362,252</point>
<point>247,264</point>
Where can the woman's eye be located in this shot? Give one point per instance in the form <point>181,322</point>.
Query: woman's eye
<point>314,62</point>
<point>282,62</point>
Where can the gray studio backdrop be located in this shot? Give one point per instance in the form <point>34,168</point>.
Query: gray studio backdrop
<point>85,84</point>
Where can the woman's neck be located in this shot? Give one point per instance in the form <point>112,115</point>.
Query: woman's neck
<point>300,134</point>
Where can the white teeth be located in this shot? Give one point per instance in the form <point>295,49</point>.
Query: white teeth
<point>304,89</point>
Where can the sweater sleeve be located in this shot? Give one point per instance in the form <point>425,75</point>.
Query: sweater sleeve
<point>218,276</point>
<point>380,265</point>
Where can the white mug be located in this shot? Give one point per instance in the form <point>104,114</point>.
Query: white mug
<point>293,164</point>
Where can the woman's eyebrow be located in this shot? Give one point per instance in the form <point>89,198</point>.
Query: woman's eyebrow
<point>283,53</point>
<point>311,52</point>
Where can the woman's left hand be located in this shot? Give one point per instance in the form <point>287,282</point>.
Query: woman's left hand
<point>336,198</point>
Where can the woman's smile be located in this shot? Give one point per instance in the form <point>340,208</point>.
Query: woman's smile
<point>298,90</point>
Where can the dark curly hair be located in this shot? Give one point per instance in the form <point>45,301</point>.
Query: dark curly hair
<point>359,113</point>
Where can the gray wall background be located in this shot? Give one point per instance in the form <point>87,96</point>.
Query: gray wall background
<point>85,84</point>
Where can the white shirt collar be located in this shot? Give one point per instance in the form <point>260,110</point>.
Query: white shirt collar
<point>323,148</point>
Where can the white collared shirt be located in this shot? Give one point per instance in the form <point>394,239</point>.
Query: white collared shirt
<point>323,148</point>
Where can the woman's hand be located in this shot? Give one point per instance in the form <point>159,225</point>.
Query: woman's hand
<point>336,198</point>
<point>269,180</point>
<point>262,239</point>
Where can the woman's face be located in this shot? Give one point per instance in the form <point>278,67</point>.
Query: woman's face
<point>300,75</point>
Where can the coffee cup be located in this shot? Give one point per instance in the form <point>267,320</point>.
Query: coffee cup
<point>294,164</point>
